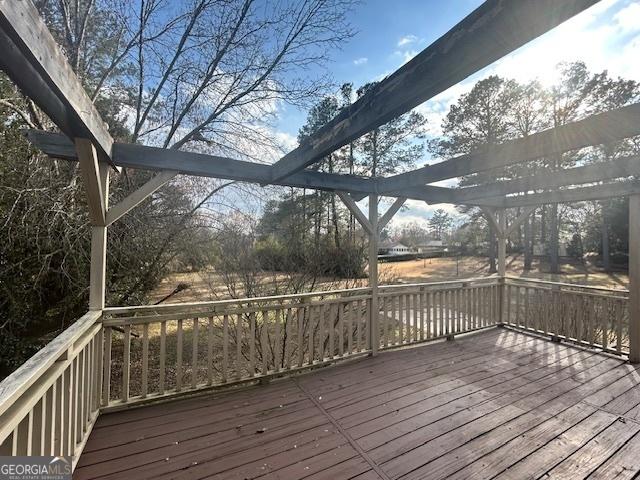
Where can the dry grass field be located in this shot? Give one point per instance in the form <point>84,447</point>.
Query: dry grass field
<point>207,286</point>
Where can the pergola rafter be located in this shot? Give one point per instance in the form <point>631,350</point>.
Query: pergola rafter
<point>601,128</point>
<point>607,170</point>
<point>570,195</point>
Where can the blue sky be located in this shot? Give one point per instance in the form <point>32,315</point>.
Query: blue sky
<point>606,36</point>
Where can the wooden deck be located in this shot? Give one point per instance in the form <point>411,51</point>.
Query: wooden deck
<point>498,404</point>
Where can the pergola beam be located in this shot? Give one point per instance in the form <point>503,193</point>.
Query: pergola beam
<point>618,168</point>
<point>158,159</point>
<point>189,163</point>
<point>579,194</point>
<point>98,268</point>
<point>33,60</point>
<point>597,129</point>
<point>494,29</point>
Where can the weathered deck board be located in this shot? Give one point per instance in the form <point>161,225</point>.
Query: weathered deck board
<point>498,404</point>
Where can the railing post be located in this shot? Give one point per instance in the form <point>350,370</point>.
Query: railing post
<point>373,274</point>
<point>634,278</point>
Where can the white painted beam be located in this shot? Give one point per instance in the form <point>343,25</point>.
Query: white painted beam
<point>597,172</point>
<point>98,271</point>
<point>605,127</point>
<point>578,194</point>
<point>203,165</point>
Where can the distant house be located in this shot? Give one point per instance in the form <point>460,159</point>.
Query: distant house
<point>430,246</point>
<point>393,248</point>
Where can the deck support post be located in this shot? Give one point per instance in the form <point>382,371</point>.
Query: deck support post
<point>373,273</point>
<point>502,265</point>
<point>372,226</point>
<point>502,242</point>
<point>634,278</point>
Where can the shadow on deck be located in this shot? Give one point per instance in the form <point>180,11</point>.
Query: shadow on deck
<point>496,404</point>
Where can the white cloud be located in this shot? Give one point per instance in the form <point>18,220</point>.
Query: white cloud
<point>400,221</point>
<point>628,18</point>
<point>285,140</point>
<point>360,61</point>
<point>420,213</point>
<point>407,40</point>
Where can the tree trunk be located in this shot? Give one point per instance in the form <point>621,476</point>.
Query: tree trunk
<point>334,211</point>
<point>520,231</point>
<point>318,220</point>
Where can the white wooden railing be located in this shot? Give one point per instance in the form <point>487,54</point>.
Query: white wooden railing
<point>125,356</point>
<point>159,351</point>
<point>427,311</point>
<point>48,406</point>
<point>593,316</point>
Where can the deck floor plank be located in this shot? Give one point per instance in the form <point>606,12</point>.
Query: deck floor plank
<point>496,404</point>
<point>623,465</point>
<point>479,403</point>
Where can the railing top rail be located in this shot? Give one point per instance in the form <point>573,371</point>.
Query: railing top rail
<point>19,381</point>
<point>436,284</point>
<point>568,285</point>
<point>208,305</point>
<point>234,301</point>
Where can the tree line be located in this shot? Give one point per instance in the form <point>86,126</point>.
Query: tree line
<point>498,109</point>
<point>494,111</point>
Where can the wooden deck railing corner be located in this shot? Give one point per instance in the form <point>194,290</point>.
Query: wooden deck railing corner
<point>49,405</point>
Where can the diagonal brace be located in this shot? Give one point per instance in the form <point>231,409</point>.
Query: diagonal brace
<point>136,197</point>
<point>355,210</point>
